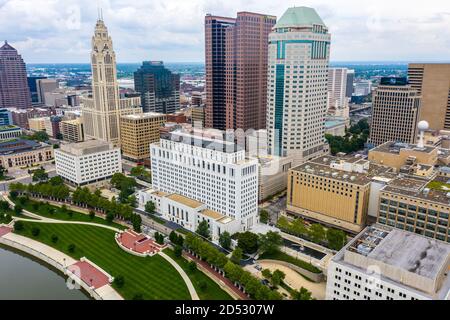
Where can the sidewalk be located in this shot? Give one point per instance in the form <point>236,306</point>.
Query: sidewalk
<point>220,279</point>
<point>183,274</point>
<point>63,263</point>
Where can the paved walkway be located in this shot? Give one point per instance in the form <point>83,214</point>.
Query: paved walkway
<point>183,274</point>
<point>41,219</point>
<point>220,277</point>
<point>295,280</point>
<point>65,264</point>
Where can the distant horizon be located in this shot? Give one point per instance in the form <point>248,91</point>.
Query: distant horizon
<point>199,62</point>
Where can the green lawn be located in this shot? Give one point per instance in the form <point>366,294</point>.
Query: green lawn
<point>212,291</point>
<point>53,212</point>
<point>281,256</point>
<point>152,277</point>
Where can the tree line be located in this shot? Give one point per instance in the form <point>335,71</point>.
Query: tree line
<point>232,271</point>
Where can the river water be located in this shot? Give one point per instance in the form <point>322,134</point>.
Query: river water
<point>24,278</point>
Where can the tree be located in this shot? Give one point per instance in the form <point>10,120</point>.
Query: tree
<point>302,294</point>
<point>236,257</point>
<point>317,233</point>
<point>270,242</point>
<point>92,214</point>
<point>71,248</point>
<point>56,181</point>
<point>125,184</point>
<point>40,175</point>
<point>202,285</point>
<point>248,242</point>
<point>4,206</point>
<point>277,277</point>
<point>54,238</point>
<point>225,240</point>
<point>178,251</point>
<point>119,281</point>
<point>159,238</point>
<point>18,209</point>
<point>136,220</point>
<point>266,274</point>
<point>2,173</point>
<point>35,231</point>
<point>110,217</point>
<point>336,239</point>
<point>150,207</point>
<point>192,266</point>
<point>263,216</point>
<point>203,229</point>
<point>138,296</point>
<point>19,226</point>
<point>137,171</point>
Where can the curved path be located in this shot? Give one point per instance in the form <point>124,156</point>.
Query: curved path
<point>183,274</point>
<point>41,219</point>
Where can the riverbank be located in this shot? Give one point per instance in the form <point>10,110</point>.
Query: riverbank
<point>33,279</point>
<point>56,260</point>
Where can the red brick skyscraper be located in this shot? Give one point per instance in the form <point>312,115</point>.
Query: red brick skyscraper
<point>236,70</point>
<point>14,91</point>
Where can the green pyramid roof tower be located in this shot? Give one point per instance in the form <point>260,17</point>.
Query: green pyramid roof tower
<point>299,16</point>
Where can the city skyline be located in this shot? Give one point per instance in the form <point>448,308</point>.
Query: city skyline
<point>173,30</point>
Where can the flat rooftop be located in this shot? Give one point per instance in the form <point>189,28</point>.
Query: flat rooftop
<point>87,147</point>
<point>417,188</point>
<point>194,204</point>
<point>395,147</point>
<point>217,144</point>
<point>404,257</point>
<point>321,167</point>
<point>212,214</point>
<point>18,145</point>
<point>141,116</point>
<point>9,128</point>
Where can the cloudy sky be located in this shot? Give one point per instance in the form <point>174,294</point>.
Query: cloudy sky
<point>172,30</point>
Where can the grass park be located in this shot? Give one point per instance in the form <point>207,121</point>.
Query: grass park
<point>206,288</point>
<point>150,278</point>
<point>50,211</point>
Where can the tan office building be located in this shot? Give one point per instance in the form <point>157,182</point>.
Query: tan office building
<point>198,116</point>
<point>137,132</point>
<point>72,130</point>
<point>408,204</point>
<point>395,112</point>
<point>432,81</point>
<point>37,124</point>
<point>332,191</point>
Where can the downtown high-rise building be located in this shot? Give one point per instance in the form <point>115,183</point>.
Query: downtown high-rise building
<point>158,86</point>
<point>299,51</point>
<point>236,70</point>
<point>432,81</point>
<point>101,112</point>
<point>395,112</point>
<point>350,83</point>
<point>337,90</point>
<point>14,91</point>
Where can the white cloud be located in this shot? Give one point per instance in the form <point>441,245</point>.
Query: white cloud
<point>172,30</point>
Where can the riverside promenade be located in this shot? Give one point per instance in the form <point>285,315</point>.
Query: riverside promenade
<point>95,281</point>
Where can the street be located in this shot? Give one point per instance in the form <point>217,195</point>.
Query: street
<point>275,207</point>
